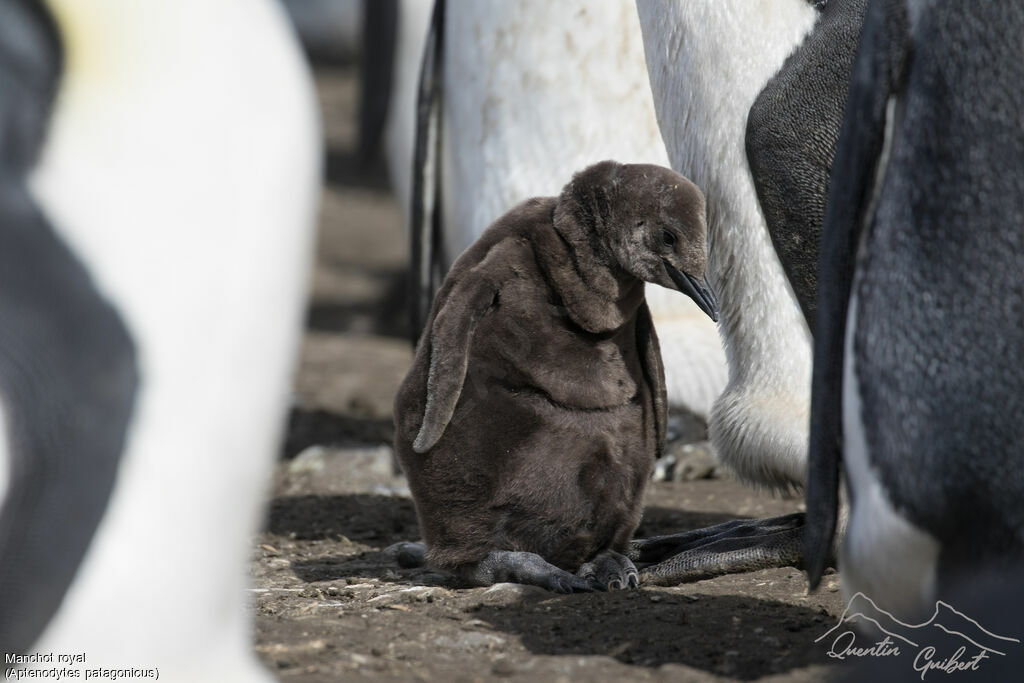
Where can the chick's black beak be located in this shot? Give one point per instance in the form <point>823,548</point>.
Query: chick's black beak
<point>698,290</point>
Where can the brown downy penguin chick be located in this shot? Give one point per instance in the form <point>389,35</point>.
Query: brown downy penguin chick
<point>535,407</point>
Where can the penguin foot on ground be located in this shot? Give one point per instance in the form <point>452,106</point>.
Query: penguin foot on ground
<point>729,548</point>
<point>510,566</point>
<point>407,554</point>
<point>610,571</point>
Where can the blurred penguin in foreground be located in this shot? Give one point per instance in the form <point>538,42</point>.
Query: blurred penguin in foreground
<point>158,178</point>
<point>918,391</point>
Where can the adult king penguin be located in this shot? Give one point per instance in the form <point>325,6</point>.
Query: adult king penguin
<point>158,175</point>
<point>919,380</point>
<point>756,128</point>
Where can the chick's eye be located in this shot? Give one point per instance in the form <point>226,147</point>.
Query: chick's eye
<point>668,238</point>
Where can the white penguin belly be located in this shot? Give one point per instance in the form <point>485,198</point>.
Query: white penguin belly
<point>707,64</point>
<point>149,175</point>
<point>884,556</point>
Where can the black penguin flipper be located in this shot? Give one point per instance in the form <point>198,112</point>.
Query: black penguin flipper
<point>425,212</point>
<point>858,167</point>
<point>791,135</point>
<point>68,380</point>
<point>380,29</point>
<point>451,333</point>
<point>654,372</point>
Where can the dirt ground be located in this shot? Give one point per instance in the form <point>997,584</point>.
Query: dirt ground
<point>329,605</point>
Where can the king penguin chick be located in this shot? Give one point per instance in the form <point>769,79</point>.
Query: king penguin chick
<point>535,408</point>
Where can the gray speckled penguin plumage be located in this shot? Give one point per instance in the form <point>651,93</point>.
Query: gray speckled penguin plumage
<point>535,407</point>
<point>928,193</point>
<point>792,129</point>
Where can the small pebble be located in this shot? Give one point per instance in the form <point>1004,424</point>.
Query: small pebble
<point>503,667</point>
<point>310,460</point>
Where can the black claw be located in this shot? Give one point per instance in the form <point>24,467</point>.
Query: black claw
<point>633,580</point>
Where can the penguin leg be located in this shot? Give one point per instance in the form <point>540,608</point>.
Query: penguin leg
<point>729,548</point>
<point>521,567</point>
<point>658,548</point>
<point>610,571</point>
<point>408,555</point>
